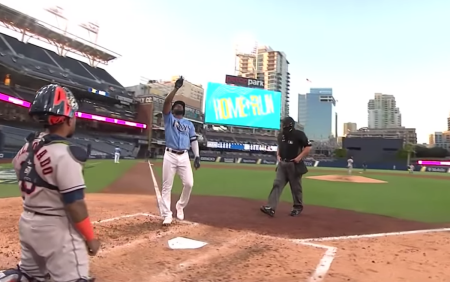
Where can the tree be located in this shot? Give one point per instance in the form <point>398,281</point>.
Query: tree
<point>410,149</point>
<point>340,153</point>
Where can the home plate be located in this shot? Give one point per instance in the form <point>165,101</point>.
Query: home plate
<point>180,243</point>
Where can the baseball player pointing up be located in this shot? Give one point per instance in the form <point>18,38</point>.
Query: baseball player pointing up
<point>180,136</point>
<point>55,232</point>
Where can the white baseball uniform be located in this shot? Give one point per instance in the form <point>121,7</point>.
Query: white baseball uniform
<point>179,134</point>
<point>117,155</point>
<point>350,165</point>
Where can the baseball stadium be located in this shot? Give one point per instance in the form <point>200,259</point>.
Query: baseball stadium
<point>378,224</point>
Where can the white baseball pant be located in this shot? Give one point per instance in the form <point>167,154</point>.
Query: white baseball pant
<point>181,165</point>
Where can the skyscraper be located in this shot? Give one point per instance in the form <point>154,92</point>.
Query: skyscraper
<point>272,67</point>
<point>448,123</point>
<point>383,112</point>
<point>302,109</point>
<point>317,113</point>
<point>349,127</point>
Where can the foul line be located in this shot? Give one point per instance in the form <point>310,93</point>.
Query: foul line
<point>327,259</point>
<point>320,271</point>
<point>155,185</point>
<point>330,252</point>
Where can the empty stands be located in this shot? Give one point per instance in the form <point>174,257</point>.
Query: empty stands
<point>32,58</point>
<point>101,145</point>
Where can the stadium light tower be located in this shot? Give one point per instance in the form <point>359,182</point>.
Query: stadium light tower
<point>59,14</point>
<point>92,29</point>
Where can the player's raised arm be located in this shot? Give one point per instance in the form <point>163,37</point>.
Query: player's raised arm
<point>168,101</point>
<point>70,180</point>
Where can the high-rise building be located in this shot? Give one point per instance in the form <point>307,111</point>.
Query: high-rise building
<point>383,112</point>
<point>440,139</point>
<point>318,113</point>
<point>448,123</point>
<point>302,109</point>
<point>272,67</point>
<point>349,127</point>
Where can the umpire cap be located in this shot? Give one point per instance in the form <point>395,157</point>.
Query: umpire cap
<point>179,102</point>
<point>52,104</point>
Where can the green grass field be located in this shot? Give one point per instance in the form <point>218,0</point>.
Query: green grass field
<point>403,197</point>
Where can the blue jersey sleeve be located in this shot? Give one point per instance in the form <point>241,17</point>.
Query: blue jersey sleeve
<point>192,135</point>
<point>168,119</point>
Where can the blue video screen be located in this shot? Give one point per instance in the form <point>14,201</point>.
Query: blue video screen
<point>242,106</point>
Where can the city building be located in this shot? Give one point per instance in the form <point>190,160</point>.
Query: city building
<point>408,135</point>
<point>349,127</point>
<point>439,139</point>
<point>317,113</point>
<point>302,109</point>
<point>383,112</point>
<point>270,66</point>
<point>448,123</point>
<point>190,93</point>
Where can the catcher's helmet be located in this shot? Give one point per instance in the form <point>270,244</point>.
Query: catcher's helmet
<point>53,104</point>
<point>183,104</point>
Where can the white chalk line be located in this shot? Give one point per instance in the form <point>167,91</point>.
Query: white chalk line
<point>152,237</point>
<point>327,259</point>
<point>330,252</point>
<point>170,276</point>
<point>155,185</point>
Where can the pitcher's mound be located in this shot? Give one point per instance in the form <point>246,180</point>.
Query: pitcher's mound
<point>346,178</point>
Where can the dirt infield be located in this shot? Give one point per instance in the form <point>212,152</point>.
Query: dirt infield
<point>243,244</point>
<point>5,161</point>
<point>346,178</point>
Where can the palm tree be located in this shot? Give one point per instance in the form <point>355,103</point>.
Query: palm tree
<point>410,149</point>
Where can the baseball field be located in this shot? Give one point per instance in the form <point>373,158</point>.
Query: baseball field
<point>372,226</point>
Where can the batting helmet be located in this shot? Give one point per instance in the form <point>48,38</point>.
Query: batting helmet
<point>53,104</point>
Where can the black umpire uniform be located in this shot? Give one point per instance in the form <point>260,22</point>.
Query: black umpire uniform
<point>291,143</point>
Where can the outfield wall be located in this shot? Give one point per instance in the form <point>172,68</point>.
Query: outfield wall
<point>6,157</point>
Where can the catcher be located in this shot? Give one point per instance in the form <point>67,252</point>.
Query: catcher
<point>55,232</point>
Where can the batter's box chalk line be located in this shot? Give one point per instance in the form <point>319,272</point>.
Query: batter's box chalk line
<point>330,252</point>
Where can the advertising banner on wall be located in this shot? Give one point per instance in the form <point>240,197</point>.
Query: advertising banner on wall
<point>248,161</point>
<point>244,81</point>
<point>436,169</point>
<point>208,159</point>
<point>268,162</point>
<point>227,160</point>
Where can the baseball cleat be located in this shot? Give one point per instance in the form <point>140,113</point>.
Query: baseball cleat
<point>167,221</point>
<point>268,210</point>
<point>295,212</point>
<point>180,213</point>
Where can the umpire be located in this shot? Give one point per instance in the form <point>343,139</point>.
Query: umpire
<point>293,147</point>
